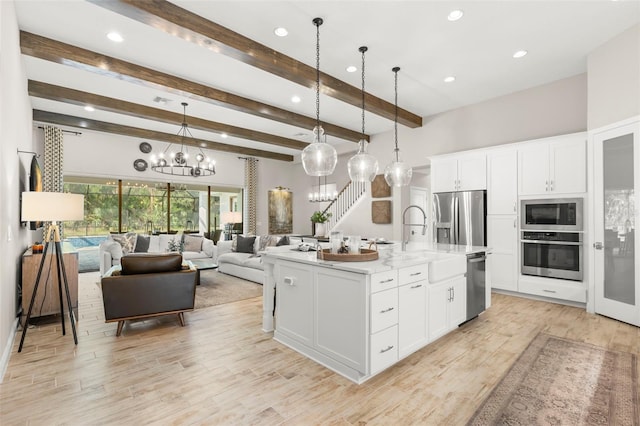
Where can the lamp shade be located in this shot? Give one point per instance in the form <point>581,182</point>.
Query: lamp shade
<point>52,206</point>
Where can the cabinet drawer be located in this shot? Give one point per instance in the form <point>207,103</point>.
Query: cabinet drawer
<point>384,280</point>
<point>413,273</point>
<point>553,288</point>
<point>384,309</point>
<point>384,349</point>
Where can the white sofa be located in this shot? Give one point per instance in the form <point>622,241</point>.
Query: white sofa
<point>247,266</point>
<point>111,250</point>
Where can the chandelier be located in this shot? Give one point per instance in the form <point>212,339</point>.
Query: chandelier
<point>178,163</point>
<point>318,158</point>
<point>397,173</point>
<point>323,193</point>
<point>362,166</point>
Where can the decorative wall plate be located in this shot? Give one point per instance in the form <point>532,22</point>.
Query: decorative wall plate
<point>140,165</point>
<point>145,147</point>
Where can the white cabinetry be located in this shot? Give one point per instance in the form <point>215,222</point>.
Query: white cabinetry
<point>295,301</point>
<point>464,172</point>
<point>502,182</point>
<point>412,322</point>
<point>384,320</point>
<point>557,166</point>
<point>502,237</point>
<point>447,306</point>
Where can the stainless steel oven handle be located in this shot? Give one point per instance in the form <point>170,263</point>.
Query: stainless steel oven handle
<point>556,243</point>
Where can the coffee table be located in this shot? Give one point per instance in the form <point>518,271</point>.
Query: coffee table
<point>203,264</point>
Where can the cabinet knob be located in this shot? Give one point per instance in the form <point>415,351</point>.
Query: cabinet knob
<point>289,280</point>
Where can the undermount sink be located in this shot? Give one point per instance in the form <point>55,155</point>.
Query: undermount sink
<point>446,266</point>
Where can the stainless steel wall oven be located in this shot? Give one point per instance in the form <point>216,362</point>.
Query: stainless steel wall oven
<point>552,254</point>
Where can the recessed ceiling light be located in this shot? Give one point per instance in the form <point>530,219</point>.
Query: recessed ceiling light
<point>520,53</point>
<point>352,68</point>
<point>114,36</point>
<point>455,15</point>
<point>449,79</point>
<point>224,135</point>
<point>89,108</point>
<point>295,99</point>
<point>281,32</point>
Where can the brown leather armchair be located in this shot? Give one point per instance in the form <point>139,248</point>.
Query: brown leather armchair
<point>147,285</point>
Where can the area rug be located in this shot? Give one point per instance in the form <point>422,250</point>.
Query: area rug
<point>216,289</point>
<point>562,382</point>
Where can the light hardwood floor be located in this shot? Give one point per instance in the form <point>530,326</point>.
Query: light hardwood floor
<point>222,369</point>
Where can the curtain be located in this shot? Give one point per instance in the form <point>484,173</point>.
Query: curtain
<point>250,194</point>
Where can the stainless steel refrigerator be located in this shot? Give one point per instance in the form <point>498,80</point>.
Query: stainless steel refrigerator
<point>461,219</point>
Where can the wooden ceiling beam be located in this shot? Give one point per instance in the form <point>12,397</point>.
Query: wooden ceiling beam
<point>77,97</point>
<point>66,54</point>
<point>136,132</point>
<point>174,20</point>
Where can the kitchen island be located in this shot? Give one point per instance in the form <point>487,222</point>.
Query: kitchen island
<point>359,318</point>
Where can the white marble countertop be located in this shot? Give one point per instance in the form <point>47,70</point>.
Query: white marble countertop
<point>391,256</point>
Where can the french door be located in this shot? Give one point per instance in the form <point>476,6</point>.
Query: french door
<point>616,159</point>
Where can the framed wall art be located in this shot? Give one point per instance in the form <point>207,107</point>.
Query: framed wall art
<point>280,211</point>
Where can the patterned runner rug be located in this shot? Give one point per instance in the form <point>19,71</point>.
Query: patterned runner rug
<point>562,382</point>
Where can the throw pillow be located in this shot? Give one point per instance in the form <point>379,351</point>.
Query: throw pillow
<point>142,243</point>
<point>245,244</point>
<point>284,241</point>
<point>234,243</point>
<point>127,241</point>
<point>266,241</point>
<point>193,242</point>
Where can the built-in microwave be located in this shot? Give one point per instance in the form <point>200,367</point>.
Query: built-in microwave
<point>562,214</point>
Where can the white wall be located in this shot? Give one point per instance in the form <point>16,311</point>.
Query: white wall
<point>111,156</point>
<point>15,134</point>
<point>614,79</point>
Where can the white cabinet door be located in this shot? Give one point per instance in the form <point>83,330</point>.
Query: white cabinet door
<point>412,323</point>
<point>444,175</point>
<point>502,237</point>
<point>472,172</point>
<point>568,166</point>
<point>502,182</point>
<point>294,302</point>
<point>439,299</point>
<point>341,316</point>
<point>533,169</point>
<point>458,304</point>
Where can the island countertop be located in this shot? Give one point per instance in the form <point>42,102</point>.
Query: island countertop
<point>391,256</point>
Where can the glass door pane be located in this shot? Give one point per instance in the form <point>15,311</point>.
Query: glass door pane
<point>619,219</point>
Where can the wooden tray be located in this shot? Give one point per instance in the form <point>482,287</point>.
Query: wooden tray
<point>364,256</point>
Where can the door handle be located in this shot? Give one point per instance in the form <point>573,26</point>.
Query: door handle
<point>453,294</point>
<point>550,185</point>
<point>598,246</point>
<point>546,185</point>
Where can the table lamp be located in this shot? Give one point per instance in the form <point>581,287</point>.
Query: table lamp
<point>52,207</point>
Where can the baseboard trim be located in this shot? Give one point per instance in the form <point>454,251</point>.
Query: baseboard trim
<point>8,347</point>
<point>540,298</point>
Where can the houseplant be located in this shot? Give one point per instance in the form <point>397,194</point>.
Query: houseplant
<point>318,219</point>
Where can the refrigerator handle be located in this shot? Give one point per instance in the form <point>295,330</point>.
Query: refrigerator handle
<point>455,223</point>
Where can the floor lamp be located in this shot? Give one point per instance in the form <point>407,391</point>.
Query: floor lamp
<point>52,207</point>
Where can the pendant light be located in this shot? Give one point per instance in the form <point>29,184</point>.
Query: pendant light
<point>362,166</point>
<point>318,158</point>
<point>397,173</point>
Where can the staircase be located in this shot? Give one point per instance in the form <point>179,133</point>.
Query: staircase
<point>347,197</point>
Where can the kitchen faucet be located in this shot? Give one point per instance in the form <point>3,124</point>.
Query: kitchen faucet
<point>404,224</point>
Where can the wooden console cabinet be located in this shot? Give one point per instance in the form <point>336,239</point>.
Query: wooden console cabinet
<point>47,300</point>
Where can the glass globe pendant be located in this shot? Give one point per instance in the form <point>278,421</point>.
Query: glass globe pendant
<point>363,166</point>
<point>397,173</point>
<point>318,158</point>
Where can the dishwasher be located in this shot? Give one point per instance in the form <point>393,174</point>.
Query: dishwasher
<point>476,294</point>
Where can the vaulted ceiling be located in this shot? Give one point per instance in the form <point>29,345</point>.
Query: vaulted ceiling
<point>223,58</point>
